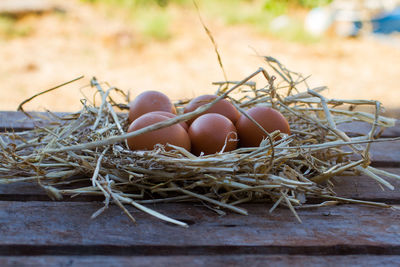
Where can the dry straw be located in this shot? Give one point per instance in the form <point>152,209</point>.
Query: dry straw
<point>85,153</point>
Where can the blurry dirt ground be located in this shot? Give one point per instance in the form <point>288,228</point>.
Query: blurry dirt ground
<point>87,41</point>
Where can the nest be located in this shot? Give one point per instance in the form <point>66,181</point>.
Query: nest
<point>85,153</point>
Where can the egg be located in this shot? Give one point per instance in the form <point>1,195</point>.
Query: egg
<point>149,101</point>
<point>174,134</point>
<point>223,107</point>
<point>210,132</point>
<point>170,115</point>
<point>250,135</point>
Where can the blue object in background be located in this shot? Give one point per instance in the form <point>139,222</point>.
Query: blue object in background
<point>387,23</point>
<point>357,25</point>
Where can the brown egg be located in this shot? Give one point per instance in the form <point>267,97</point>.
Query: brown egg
<point>174,134</point>
<point>170,115</point>
<point>270,119</point>
<point>223,107</point>
<point>209,132</point>
<point>147,102</point>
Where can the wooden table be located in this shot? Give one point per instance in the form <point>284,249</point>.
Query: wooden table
<point>37,231</point>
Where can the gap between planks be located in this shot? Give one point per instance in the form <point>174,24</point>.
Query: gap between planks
<point>210,261</point>
<point>109,250</point>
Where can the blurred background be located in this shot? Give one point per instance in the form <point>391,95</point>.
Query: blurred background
<point>351,46</point>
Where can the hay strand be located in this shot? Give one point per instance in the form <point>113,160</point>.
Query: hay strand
<point>85,153</point>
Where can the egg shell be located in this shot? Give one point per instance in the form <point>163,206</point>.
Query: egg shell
<point>170,115</point>
<point>209,132</point>
<point>223,107</point>
<point>174,134</point>
<point>149,101</point>
<point>250,135</point>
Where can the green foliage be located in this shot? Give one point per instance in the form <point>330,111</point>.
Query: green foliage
<point>152,17</point>
<point>279,7</point>
<point>140,3</point>
<point>149,17</point>
<point>9,28</point>
<point>273,5</point>
<point>313,3</point>
<point>294,32</point>
<point>259,17</point>
<point>154,25</point>
<point>276,7</point>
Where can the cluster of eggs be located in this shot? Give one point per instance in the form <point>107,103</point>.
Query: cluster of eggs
<point>221,128</point>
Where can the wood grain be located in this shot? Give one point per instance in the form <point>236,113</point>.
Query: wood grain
<point>362,128</point>
<point>35,231</point>
<point>18,121</point>
<point>328,230</point>
<point>231,260</point>
<point>363,187</point>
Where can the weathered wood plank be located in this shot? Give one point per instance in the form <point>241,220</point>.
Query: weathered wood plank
<point>33,192</point>
<point>18,121</point>
<point>362,128</point>
<point>361,187</point>
<point>231,260</point>
<point>382,154</point>
<point>366,188</point>
<point>386,154</point>
<point>20,189</point>
<point>14,120</point>
<point>327,230</point>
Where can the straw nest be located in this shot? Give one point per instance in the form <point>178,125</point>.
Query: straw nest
<point>85,153</point>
